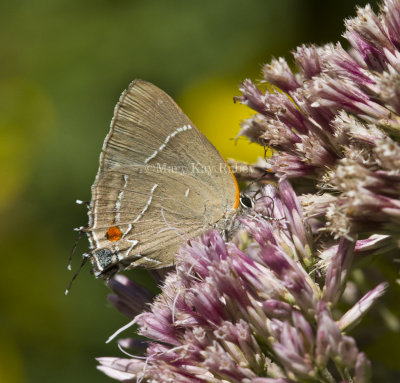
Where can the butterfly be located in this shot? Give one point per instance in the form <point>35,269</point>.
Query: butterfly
<point>160,182</point>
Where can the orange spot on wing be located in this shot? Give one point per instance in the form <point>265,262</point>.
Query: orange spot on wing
<point>237,195</point>
<point>114,234</point>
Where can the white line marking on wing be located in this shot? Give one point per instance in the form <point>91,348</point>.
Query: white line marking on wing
<point>164,144</point>
<point>119,199</point>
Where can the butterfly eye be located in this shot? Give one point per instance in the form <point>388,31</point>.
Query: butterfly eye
<point>246,201</point>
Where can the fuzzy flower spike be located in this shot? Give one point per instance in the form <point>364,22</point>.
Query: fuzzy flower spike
<point>248,311</point>
<point>335,124</point>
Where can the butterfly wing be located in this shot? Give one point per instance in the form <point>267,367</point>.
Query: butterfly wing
<point>160,181</point>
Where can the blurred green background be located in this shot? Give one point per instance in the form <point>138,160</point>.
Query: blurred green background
<point>63,67</point>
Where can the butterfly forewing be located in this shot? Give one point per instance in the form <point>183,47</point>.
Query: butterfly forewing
<point>160,182</point>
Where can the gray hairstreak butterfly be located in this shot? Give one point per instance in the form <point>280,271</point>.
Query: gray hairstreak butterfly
<point>160,182</point>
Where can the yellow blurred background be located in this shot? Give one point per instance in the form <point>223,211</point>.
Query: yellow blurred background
<point>63,67</point>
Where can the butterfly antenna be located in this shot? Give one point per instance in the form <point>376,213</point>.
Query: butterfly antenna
<point>84,260</point>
